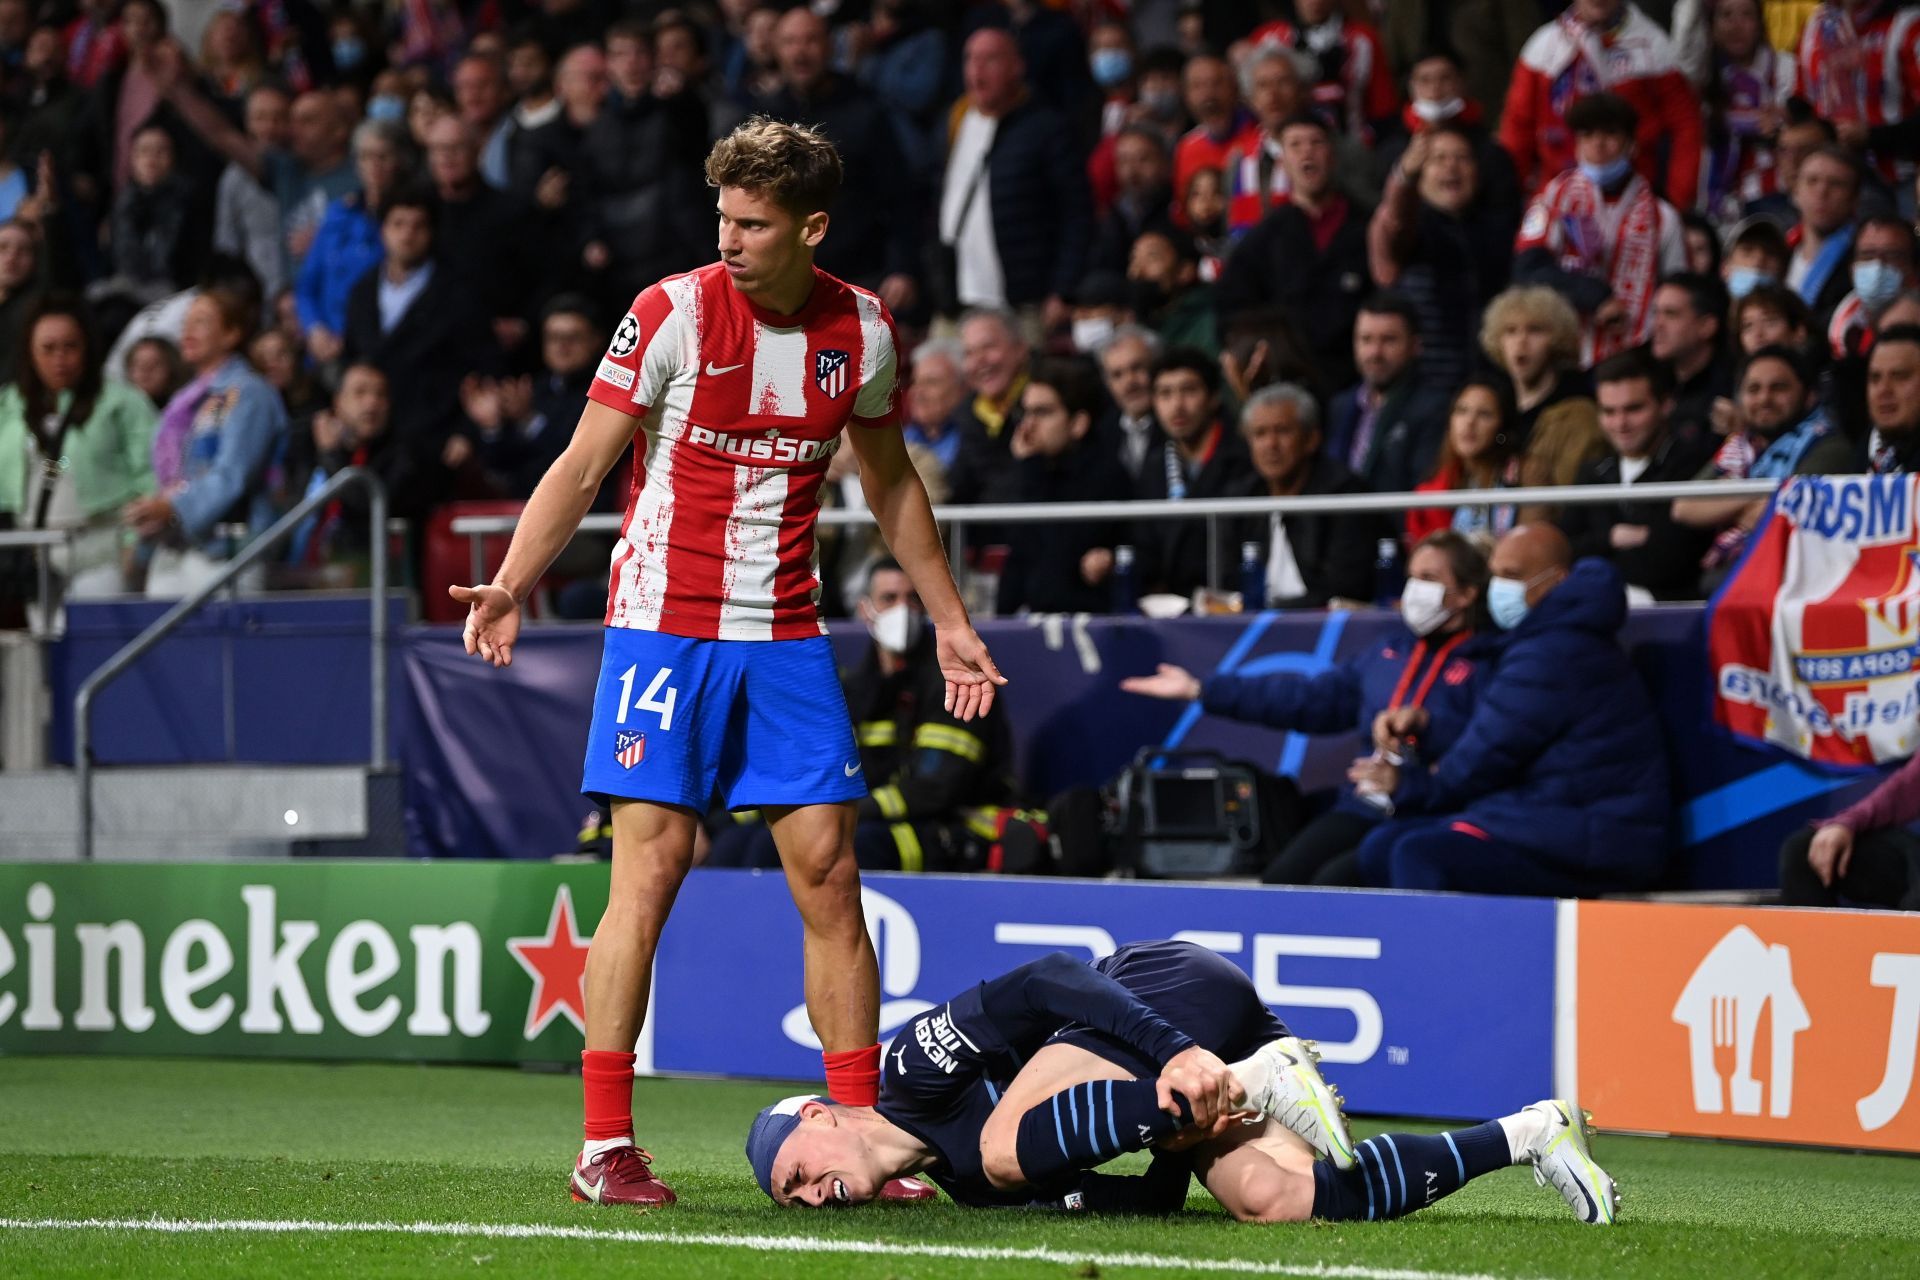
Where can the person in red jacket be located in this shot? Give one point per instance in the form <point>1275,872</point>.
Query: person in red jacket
<point>1603,46</point>
<point>1859,66</point>
<point>1354,90</point>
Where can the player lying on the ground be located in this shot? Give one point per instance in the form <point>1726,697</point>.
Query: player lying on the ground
<point>1011,1093</point>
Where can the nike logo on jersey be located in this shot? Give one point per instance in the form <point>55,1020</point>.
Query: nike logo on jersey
<point>852,769</point>
<point>715,370</point>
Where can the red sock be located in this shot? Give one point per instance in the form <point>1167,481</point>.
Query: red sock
<point>853,1076</point>
<point>607,1079</point>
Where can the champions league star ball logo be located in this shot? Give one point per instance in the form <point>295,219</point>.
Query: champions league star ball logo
<point>627,336</point>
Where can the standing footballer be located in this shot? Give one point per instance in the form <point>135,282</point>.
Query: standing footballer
<point>738,379</point>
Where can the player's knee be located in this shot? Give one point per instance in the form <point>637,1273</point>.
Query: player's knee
<point>1000,1160</point>
<point>1272,1195</point>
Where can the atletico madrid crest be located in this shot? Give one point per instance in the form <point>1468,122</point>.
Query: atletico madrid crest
<point>830,372</point>
<point>629,747</point>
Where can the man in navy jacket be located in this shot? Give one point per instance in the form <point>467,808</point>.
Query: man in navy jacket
<point>1558,785</point>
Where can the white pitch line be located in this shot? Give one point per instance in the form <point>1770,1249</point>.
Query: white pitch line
<point>761,1244</point>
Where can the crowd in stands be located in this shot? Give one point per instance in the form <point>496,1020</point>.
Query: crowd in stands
<point>1154,249</point>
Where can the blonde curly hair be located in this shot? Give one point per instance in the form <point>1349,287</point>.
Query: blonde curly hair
<point>1542,306</point>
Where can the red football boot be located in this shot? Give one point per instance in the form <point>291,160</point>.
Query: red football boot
<point>623,1175</point>
<point>907,1190</point>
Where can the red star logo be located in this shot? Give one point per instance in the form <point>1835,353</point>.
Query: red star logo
<point>557,963</point>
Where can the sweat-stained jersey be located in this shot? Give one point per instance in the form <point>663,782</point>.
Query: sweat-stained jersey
<point>740,411</point>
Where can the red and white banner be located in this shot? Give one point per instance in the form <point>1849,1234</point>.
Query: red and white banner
<point>1814,642</point>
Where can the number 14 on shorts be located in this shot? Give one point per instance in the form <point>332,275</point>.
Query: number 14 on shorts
<point>650,698</point>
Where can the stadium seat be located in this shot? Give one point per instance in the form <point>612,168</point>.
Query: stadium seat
<point>446,558</point>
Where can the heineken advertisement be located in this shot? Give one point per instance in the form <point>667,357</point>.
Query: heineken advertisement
<point>477,962</point>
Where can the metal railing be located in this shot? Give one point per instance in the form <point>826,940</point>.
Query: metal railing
<point>254,551</point>
<point>1212,510</point>
<point>42,542</point>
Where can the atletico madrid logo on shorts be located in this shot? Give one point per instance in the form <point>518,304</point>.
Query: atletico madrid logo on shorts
<point>629,747</point>
<point>830,372</point>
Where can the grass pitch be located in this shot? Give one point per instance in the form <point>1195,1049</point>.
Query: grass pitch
<point>291,1152</point>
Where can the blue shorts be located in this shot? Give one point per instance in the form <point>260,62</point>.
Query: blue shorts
<point>760,722</point>
<point>1199,991</point>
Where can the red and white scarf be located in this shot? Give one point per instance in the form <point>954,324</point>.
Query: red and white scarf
<point>1629,260</point>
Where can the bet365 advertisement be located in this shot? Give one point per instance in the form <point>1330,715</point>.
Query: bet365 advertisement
<point>1425,1005</point>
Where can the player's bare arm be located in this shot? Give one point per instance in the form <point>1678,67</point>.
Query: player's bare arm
<point>551,517</point>
<point>905,515</point>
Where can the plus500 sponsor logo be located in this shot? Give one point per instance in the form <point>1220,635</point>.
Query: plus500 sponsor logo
<point>767,446</point>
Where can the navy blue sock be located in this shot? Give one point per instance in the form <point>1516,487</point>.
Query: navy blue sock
<point>1090,1124</point>
<point>1399,1173</point>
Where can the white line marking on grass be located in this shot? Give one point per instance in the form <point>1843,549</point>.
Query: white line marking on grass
<point>761,1244</point>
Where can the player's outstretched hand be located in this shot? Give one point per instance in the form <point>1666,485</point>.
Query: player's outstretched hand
<point>1207,1085</point>
<point>968,667</point>
<point>493,622</point>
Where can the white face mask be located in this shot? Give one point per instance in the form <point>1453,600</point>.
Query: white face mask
<point>897,629</point>
<point>1091,333</point>
<point>1435,112</point>
<point>1422,605</point>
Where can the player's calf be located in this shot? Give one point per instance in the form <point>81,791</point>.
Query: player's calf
<point>1081,1128</point>
<point>1400,1173</point>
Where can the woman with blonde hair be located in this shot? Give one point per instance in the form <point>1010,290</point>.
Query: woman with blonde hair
<point>1532,334</point>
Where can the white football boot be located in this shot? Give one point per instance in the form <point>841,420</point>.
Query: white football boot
<point>1560,1156</point>
<point>1282,1080</point>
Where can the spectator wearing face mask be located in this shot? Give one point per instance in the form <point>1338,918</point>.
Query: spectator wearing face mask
<point>1756,254</point>
<point>1440,665</point>
<point>1437,98</point>
<point>1611,48</point>
<point>1102,302</point>
<point>1599,234</point>
<point>1883,269</point>
<point>1557,785</point>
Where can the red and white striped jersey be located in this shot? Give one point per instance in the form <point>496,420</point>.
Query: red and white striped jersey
<point>740,411</point>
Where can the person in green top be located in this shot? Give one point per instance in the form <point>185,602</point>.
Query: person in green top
<point>74,448</point>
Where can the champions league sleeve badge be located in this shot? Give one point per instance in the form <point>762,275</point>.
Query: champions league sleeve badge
<point>626,337</point>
